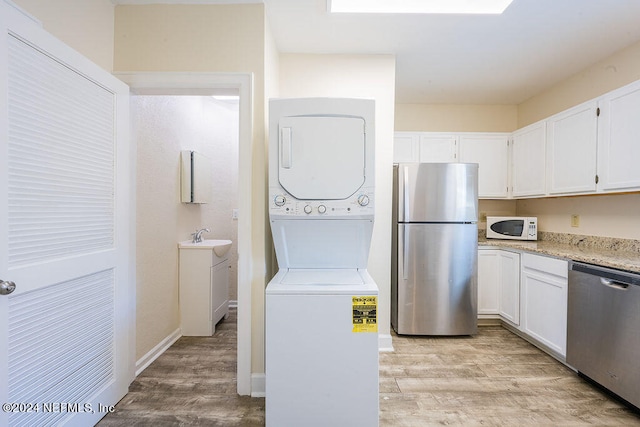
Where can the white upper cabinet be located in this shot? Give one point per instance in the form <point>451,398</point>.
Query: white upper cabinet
<point>528,154</point>
<point>571,150</point>
<point>594,146</point>
<point>425,147</point>
<point>619,139</point>
<point>405,147</point>
<point>490,151</point>
<point>438,148</point>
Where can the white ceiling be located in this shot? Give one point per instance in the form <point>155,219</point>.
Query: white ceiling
<point>461,59</point>
<point>464,59</point>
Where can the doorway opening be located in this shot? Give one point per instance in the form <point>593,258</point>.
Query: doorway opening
<point>181,106</point>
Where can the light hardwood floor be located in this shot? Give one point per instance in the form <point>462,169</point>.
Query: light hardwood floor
<point>492,379</point>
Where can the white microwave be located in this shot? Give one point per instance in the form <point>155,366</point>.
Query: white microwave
<point>512,227</point>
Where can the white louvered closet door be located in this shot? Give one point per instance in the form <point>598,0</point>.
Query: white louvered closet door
<point>65,236</point>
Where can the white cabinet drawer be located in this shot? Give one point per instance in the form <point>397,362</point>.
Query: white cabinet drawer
<point>554,266</point>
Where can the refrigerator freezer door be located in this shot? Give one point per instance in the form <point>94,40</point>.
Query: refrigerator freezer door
<point>436,285</point>
<point>437,192</point>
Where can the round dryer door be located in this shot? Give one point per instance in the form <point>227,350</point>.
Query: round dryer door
<point>321,157</point>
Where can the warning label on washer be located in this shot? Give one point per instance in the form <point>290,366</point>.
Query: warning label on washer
<point>365,314</point>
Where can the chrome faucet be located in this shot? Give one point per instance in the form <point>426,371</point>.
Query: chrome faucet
<point>197,236</point>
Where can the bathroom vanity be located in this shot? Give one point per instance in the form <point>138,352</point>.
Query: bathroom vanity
<point>204,285</point>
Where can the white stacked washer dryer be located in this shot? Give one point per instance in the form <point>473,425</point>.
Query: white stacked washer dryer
<point>321,306</point>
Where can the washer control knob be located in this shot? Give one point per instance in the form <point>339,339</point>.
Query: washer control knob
<point>307,209</point>
<point>279,200</point>
<point>363,200</point>
<point>322,209</point>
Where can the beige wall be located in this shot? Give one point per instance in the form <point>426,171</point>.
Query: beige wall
<point>455,118</point>
<point>610,73</point>
<point>358,76</point>
<point>607,216</point>
<point>85,25</point>
<point>615,215</point>
<point>207,38</point>
<point>494,208</point>
<point>271,72</point>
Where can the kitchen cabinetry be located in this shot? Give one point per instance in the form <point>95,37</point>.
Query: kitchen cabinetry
<point>499,284</point>
<point>425,147</point>
<point>594,146</point>
<point>509,308</point>
<point>488,283</point>
<point>204,290</point>
<point>619,139</point>
<point>544,301</point>
<point>491,152</point>
<point>528,157</point>
<point>438,148</point>
<point>571,150</point>
<point>405,147</point>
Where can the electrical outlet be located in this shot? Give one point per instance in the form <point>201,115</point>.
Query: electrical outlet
<point>483,217</point>
<point>234,214</point>
<point>575,220</point>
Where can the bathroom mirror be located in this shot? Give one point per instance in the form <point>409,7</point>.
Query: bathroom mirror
<point>195,178</point>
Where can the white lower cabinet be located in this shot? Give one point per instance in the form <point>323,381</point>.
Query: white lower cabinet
<point>488,283</point>
<point>544,301</point>
<point>204,290</point>
<point>526,291</point>
<point>499,284</point>
<point>510,286</point>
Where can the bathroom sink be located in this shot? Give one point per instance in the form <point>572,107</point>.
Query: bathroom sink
<point>220,247</point>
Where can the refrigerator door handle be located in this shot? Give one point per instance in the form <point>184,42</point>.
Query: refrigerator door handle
<point>405,192</point>
<point>403,250</point>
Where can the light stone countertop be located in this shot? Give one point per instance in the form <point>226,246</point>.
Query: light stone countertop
<point>615,253</point>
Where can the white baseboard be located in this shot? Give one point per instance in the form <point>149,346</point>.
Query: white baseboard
<point>233,303</point>
<point>258,387</point>
<point>156,351</point>
<point>385,343</point>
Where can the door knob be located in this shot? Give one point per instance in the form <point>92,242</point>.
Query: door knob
<point>6,287</point>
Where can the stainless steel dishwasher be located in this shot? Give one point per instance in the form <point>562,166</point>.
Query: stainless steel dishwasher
<point>603,330</point>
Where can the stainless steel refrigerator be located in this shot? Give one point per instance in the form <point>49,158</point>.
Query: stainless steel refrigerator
<point>435,249</point>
